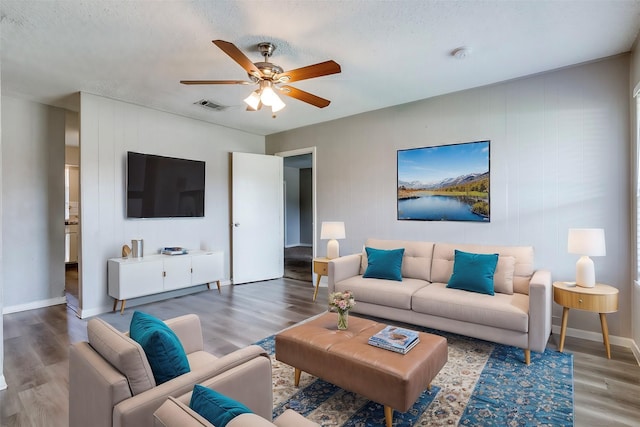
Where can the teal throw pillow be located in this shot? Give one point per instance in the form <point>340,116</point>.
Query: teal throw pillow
<point>384,264</point>
<point>216,408</point>
<point>473,272</point>
<point>162,347</point>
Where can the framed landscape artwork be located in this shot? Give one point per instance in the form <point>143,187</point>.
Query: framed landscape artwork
<point>445,183</point>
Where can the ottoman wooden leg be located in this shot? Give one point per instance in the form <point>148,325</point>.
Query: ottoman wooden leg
<point>296,377</point>
<point>388,415</point>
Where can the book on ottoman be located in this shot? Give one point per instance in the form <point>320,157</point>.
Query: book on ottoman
<point>395,339</point>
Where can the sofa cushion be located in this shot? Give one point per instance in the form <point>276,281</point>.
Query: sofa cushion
<point>473,272</point>
<point>384,264</point>
<point>381,291</point>
<point>215,407</point>
<point>523,268</point>
<point>500,311</point>
<point>503,276</point>
<point>416,260</point>
<point>164,351</point>
<point>126,355</point>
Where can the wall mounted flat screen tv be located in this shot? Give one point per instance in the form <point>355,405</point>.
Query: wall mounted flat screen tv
<point>164,187</point>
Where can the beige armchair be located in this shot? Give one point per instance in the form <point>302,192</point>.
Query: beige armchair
<point>176,413</point>
<point>112,385</point>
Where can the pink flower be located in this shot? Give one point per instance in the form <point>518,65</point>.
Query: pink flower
<point>343,301</point>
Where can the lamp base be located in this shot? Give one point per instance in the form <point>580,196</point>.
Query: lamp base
<point>333,249</point>
<point>585,272</point>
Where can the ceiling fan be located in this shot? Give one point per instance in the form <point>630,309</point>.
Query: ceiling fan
<point>269,77</point>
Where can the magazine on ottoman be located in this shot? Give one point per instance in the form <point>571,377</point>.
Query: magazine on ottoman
<point>395,339</point>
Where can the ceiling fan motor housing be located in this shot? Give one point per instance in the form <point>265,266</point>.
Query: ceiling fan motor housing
<point>266,49</point>
<point>268,69</point>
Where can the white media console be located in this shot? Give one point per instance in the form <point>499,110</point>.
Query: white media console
<point>153,274</point>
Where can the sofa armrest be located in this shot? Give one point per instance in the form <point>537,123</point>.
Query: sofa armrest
<point>540,304</point>
<point>189,332</point>
<point>240,367</point>
<point>173,413</point>
<point>94,387</point>
<point>291,418</point>
<point>343,268</point>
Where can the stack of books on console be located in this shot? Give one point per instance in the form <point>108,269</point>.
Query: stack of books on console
<point>174,250</point>
<point>395,339</point>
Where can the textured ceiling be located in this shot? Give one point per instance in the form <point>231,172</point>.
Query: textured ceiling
<point>391,52</point>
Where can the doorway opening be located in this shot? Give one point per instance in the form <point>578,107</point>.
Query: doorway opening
<point>71,224</point>
<point>299,213</point>
<point>72,283</point>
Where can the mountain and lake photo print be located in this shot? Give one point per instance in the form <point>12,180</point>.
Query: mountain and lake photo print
<point>444,183</point>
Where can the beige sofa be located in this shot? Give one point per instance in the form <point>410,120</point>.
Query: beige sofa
<point>111,383</point>
<point>521,318</point>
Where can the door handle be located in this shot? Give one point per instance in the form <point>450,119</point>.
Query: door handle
<point>236,224</point>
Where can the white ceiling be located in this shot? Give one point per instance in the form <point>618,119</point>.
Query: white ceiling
<point>391,52</point>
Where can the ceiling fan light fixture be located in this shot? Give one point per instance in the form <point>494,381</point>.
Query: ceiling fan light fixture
<point>278,104</point>
<point>253,100</point>
<point>268,96</point>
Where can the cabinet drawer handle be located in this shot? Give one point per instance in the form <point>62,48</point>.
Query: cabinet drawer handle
<point>580,300</point>
<point>164,274</point>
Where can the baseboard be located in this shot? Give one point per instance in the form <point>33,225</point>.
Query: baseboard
<point>597,336</point>
<point>34,305</point>
<point>83,314</point>
<point>3,383</point>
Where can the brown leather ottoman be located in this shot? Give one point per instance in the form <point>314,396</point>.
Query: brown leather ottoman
<point>345,359</point>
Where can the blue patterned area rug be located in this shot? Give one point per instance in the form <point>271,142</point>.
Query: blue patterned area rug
<point>482,384</point>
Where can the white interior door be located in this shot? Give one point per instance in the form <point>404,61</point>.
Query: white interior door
<point>257,217</point>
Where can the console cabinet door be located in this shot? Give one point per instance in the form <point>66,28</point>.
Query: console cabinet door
<point>206,267</point>
<point>133,278</point>
<point>177,272</point>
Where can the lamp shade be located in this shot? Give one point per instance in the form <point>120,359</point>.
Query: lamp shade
<point>253,100</point>
<point>332,230</point>
<point>587,241</point>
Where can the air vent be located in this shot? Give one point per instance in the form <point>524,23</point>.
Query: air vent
<point>210,105</point>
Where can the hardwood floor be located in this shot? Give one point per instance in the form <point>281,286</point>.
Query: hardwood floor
<point>607,392</point>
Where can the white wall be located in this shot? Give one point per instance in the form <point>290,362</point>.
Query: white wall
<point>292,213</point>
<point>559,159</point>
<point>108,129</point>
<point>33,204</point>
<point>3,383</point>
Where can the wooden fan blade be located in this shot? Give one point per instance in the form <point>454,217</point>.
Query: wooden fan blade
<point>215,82</point>
<point>307,97</point>
<point>309,72</point>
<point>237,55</point>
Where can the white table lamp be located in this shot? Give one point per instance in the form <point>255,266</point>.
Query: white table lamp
<point>332,230</point>
<point>586,242</point>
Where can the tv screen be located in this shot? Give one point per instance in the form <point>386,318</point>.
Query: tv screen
<point>164,187</point>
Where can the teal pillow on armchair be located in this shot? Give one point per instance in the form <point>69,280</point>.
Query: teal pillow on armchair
<point>162,347</point>
<point>473,272</point>
<point>215,407</point>
<point>384,264</point>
